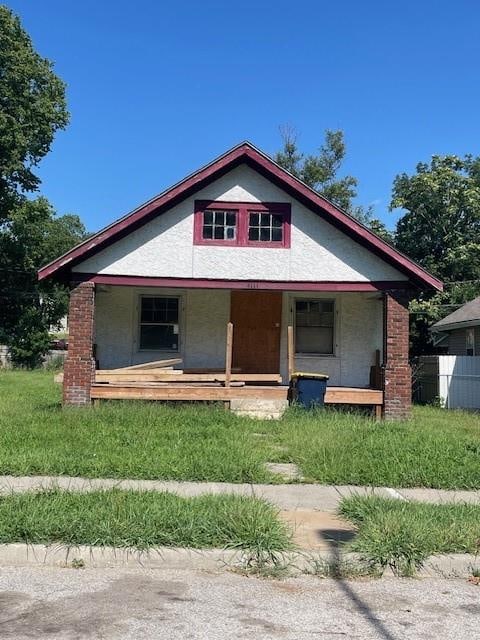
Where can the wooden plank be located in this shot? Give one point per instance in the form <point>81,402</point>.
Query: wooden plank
<point>228,355</point>
<point>174,377</point>
<point>211,370</point>
<point>182,392</point>
<point>151,365</point>
<point>350,395</point>
<point>105,375</point>
<point>290,352</point>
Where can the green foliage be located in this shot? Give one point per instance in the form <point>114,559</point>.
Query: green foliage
<point>141,520</point>
<point>32,109</point>
<point>320,172</point>
<point>440,229</point>
<point>402,535</point>
<point>31,236</point>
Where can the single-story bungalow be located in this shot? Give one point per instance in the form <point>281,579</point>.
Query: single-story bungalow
<point>461,330</point>
<point>241,241</point>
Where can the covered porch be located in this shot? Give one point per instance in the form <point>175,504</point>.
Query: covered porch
<point>234,344</point>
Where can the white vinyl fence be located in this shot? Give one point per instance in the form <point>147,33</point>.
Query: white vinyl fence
<point>454,380</point>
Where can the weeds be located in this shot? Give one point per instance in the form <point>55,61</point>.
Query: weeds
<point>141,520</point>
<point>437,448</point>
<point>401,535</point>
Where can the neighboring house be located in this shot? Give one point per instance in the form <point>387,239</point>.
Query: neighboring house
<point>241,240</point>
<point>461,330</point>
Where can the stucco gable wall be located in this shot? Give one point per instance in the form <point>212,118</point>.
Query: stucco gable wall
<point>164,247</point>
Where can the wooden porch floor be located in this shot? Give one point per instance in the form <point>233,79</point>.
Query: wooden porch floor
<point>185,392</point>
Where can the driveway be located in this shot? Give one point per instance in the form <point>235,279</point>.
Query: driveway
<point>163,604</point>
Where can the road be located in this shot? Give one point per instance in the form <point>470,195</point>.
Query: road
<point>73,604</point>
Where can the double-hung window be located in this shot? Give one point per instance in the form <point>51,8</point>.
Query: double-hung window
<point>314,326</point>
<point>159,323</point>
<point>242,224</point>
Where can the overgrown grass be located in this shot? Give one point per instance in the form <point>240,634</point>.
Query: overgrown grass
<point>120,439</point>
<point>403,534</point>
<point>437,448</point>
<point>142,520</point>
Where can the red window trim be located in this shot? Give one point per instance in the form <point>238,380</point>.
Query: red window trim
<point>242,210</point>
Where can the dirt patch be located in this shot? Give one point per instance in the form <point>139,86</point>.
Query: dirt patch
<point>317,529</point>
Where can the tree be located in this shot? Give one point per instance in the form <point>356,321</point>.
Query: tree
<point>32,110</point>
<point>320,172</point>
<point>32,236</point>
<point>440,229</point>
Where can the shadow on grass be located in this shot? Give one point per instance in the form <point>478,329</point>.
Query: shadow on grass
<point>335,538</point>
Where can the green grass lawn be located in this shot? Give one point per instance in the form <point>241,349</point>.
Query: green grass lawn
<point>403,534</point>
<point>142,520</point>
<point>436,448</point>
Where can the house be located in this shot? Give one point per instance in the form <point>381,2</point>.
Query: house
<point>240,240</point>
<point>461,330</point>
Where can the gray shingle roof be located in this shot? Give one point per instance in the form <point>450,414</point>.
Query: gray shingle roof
<point>469,313</point>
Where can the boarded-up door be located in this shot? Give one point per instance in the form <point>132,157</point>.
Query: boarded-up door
<point>256,317</point>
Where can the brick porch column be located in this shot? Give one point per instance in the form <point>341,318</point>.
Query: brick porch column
<point>398,377</point>
<point>79,365</point>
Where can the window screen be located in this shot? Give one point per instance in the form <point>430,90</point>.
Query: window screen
<point>314,323</point>
<point>159,323</point>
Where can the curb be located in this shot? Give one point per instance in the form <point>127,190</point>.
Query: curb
<point>297,562</point>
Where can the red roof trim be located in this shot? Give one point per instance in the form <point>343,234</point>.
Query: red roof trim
<point>276,285</point>
<point>244,152</point>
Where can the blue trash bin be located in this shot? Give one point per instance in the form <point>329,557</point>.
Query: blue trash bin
<point>309,389</point>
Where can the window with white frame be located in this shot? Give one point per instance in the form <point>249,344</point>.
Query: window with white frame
<point>219,225</point>
<point>470,341</point>
<point>159,323</point>
<point>314,326</point>
<point>265,227</point>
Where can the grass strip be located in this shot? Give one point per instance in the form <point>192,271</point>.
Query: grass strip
<point>142,520</point>
<point>437,448</point>
<point>403,534</point>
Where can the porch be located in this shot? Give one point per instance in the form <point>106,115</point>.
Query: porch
<point>273,333</point>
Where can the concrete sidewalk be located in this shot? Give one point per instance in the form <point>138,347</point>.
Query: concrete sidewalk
<point>287,497</point>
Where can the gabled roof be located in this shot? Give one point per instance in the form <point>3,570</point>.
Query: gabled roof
<point>253,157</point>
<point>466,316</point>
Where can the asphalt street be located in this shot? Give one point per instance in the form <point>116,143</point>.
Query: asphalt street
<point>74,604</point>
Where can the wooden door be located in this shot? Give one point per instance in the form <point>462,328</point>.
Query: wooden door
<point>256,318</point>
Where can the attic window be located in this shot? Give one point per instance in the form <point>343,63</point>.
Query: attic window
<point>263,224</point>
<point>265,227</point>
<point>219,225</point>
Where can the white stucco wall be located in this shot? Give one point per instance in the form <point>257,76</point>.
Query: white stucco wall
<point>203,317</point>
<point>204,314</point>
<point>358,333</point>
<point>164,247</point>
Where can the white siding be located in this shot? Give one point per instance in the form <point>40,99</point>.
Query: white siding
<point>164,247</point>
<point>203,318</point>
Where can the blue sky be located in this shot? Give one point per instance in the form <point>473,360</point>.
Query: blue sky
<point>157,89</point>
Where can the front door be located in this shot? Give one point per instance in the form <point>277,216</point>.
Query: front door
<point>256,318</point>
